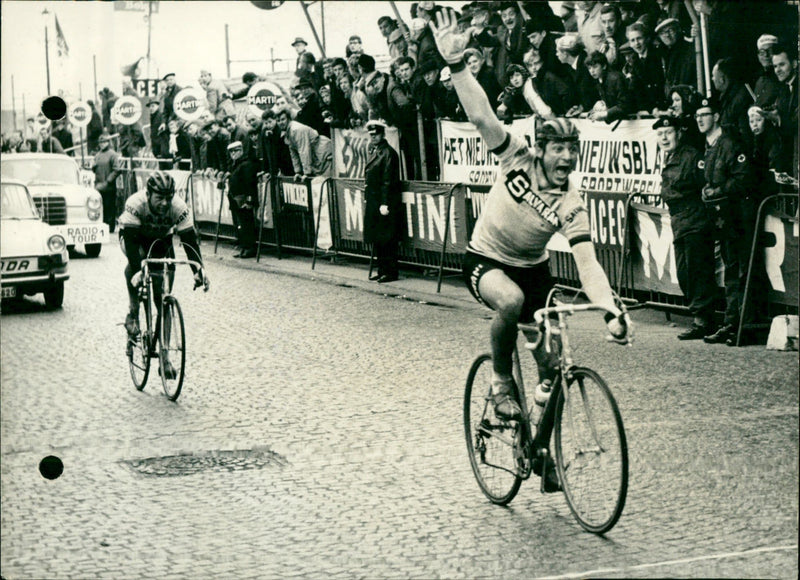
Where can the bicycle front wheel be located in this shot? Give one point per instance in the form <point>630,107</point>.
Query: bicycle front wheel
<point>138,351</point>
<point>172,354</point>
<point>490,441</point>
<point>591,451</point>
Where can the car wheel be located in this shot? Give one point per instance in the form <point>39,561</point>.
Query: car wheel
<point>54,296</point>
<point>93,250</point>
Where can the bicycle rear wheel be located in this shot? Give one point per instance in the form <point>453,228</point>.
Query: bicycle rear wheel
<point>490,441</point>
<point>172,354</point>
<point>591,451</point>
<point>139,355</point>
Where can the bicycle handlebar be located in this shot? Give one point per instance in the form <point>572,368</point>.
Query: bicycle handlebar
<point>540,314</point>
<point>541,318</point>
<point>149,261</point>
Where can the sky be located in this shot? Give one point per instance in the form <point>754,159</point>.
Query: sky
<point>186,36</point>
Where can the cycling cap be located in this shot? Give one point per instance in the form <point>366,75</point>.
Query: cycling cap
<point>160,182</point>
<point>557,130</point>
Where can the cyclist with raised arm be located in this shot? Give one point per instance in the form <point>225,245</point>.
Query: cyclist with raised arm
<point>506,265</point>
<point>150,219</point>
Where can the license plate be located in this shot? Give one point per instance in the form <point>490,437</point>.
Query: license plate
<point>9,291</point>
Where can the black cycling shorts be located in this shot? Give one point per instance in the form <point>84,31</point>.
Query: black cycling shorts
<point>534,281</point>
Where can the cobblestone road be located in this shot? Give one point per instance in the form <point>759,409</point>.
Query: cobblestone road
<point>319,435</point>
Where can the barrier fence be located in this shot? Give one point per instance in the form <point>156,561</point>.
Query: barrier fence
<point>630,227</point>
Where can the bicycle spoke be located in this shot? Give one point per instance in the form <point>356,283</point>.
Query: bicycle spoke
<point>591,452</point>
<point>490,441</point>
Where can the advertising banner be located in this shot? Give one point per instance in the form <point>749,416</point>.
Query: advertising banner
<point>265,202</point>
<point>653,256</point>
<point>623,158</point>
<point>351,151</point>
<point>781,257</point>
<point>425,208</point>
<point>207,198</point>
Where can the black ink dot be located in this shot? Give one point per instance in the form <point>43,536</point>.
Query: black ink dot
<point>51,467</point>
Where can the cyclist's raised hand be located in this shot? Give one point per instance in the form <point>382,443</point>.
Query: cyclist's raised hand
<point>200,279</point>
<point>136,279</point>
<point>620,329</point>
<point>450,42</point>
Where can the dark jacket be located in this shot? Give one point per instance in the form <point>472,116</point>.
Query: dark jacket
<point>487,79</point>
<point>382,186</point>
<point>555,92</point>
<point>511,50</point>
<point>311,115</point>
<point>682,181</point>
<point>243,182</point>
<point>217,151</point>
<point>277,158</point>
<point>680,66</point>
<point>647,82</point>
<point>615,94</point>
<point>734,103</point>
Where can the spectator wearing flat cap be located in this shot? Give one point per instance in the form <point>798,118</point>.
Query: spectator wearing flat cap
<point>766,87</point>
<point>677,54</point>
<point>682,181</point>
<point>727,193</point>
<point>446,102</point>
<point>383,217</point>
<point>171,89</point>
<point>243,197</point>
<point>299,44</point>
<point>376,88</point>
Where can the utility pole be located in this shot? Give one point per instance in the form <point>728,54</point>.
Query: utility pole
<point>227,53</point>
<point>46,51</point>
<point>149,28</point>
<point>94,67</point>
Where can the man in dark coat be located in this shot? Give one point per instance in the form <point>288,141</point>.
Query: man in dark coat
<point>682,182</point>
<point>158,142</point>
<point>382,217</point>
<point>243,198</point>
<point>168,100</point>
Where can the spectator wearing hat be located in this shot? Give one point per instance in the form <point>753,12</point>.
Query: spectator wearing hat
<point>615,101</point>
<point>376,85</point>
<point>677,54</point>
<point>483,73</point>
<point>93,130</point>
<point>682,182</point>
<point>168,100</point>
<point>354,46</point>
<point>243,197</point>
<point>217,141</point>
<point>446,102</point>
<point>568,17</point>
<point>424,95</point>
<point>646,75</point>
<point>106,168</point>
<point>663,10</point>
<point>728,186</point>
<point>512,102</point>
<point>158,143</point>
<point>734,99</point>
<point>784,59</point>
<point>766,87</point>
<point>299,45</point>
<point>544,43</point>
<point>382,191</point>
<point>571,53</point>
<point>311,152</point>
<point>547,95</point>
<point>511,38</point>
<point>63,134</point>
<point>310,112</point>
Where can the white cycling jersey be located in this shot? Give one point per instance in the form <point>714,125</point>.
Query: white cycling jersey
<point>138,214</point>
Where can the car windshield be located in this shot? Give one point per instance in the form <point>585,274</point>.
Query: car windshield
<point>41,171</point>
<point>17,203</point>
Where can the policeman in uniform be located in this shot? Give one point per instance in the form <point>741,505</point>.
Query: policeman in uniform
<point>727,192</point>
<point>682,181</point>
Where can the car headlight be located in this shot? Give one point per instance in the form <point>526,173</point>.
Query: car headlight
<point>94,201</point>
<point>56,244</point>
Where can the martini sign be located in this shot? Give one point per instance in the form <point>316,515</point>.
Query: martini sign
<point>128,110</point>
<point>79,114</point>
<point>190,103</point>
<point>262,96</point>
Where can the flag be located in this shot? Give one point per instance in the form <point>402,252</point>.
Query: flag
<point>61,42</point>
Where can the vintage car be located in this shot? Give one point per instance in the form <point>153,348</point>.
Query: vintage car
<point>64,201</point>
<point>33,255</point>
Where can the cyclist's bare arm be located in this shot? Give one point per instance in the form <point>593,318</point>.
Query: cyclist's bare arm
<point>451,44</point>
<point>595,284</point>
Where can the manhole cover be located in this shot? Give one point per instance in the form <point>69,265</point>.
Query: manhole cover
<point>191,463</point>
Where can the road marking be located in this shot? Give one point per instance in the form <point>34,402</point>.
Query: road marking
<point>669,562</point>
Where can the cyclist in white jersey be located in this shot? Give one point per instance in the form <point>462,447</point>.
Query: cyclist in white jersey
<point>147,225</point>
<point>506,265</point>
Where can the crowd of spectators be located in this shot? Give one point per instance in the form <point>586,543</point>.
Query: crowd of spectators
<point>605,61</point>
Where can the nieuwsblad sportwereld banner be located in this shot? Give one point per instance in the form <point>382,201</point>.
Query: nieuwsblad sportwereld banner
<point>464,156</point>
<point>620,158</point>
<point>351,151</point>
<point>426,211</point>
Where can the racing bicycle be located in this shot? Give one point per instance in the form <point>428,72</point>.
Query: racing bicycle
<point>580,422</point>
<point>163,338</point>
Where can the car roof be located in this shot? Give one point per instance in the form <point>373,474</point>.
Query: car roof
<point>24,156</point>
<point>9,181</point>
